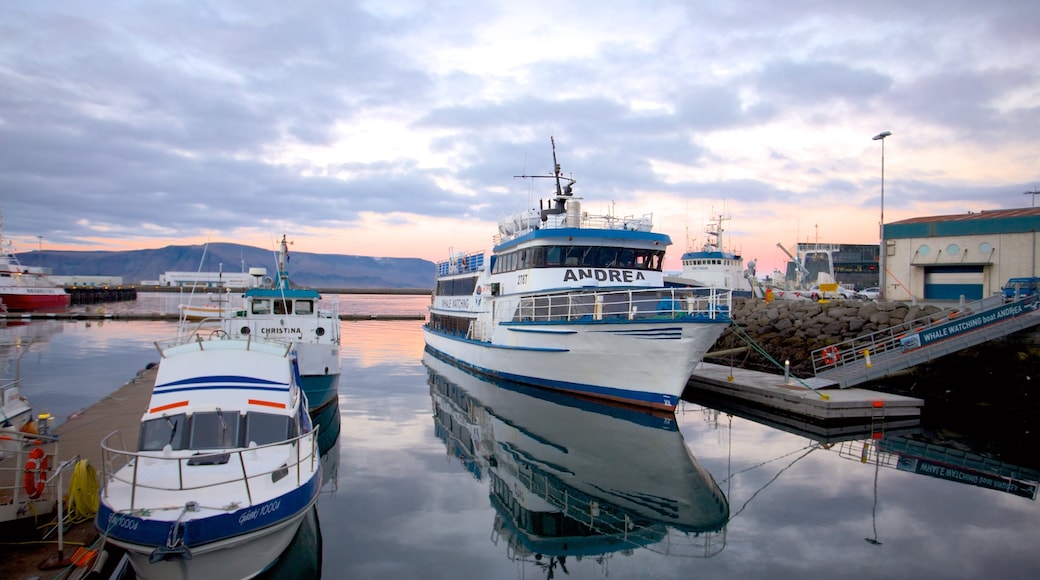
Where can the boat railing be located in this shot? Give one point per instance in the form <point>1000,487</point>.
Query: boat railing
<point>461,263</point>
<point>300,463</point>
<point>632,223</point>
<point>641,304</point>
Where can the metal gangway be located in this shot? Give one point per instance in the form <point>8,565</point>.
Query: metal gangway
<point>879,354</point>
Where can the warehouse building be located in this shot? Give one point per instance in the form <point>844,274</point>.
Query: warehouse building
<point>950,256</point>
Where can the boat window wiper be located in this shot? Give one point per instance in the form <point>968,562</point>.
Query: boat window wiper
<point>173,427</point>
<point>223,427</point>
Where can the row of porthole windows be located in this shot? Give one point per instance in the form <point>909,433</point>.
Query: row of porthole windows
<point>953,249</point>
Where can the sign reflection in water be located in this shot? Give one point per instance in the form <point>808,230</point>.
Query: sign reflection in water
<point>574,478</point>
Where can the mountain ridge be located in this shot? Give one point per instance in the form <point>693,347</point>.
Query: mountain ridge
<point>305,268</point>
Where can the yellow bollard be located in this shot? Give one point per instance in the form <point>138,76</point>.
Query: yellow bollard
<point>866,356</point>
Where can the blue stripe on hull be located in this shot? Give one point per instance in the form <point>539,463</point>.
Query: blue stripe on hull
<point>150,533</point>
<point>643,398</point>
<point>219,379</point>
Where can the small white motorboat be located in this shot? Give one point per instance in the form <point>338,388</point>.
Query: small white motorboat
<point>226,466</point>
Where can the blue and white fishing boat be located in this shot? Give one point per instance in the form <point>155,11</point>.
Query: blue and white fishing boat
<point>276,309</point>
<point>577,303</point>
<point>226,467</point>
<point>715,266</point>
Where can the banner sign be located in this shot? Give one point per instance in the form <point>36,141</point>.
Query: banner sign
<point>967,323</point>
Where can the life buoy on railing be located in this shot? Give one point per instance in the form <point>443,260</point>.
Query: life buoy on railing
<point>830,355</point>
<point>36,473</point>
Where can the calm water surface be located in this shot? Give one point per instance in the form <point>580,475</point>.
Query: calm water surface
<point>443,475</point>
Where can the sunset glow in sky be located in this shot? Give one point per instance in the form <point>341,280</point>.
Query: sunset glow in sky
<point>395,128</point>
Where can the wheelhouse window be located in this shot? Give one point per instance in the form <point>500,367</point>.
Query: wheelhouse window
<point>283,306</point>
<point>304,307</point>
<point>457,286</point>
<point>265,428</point>
<point>261,306</point>
<point>214,430</point>
<point>166,430</point>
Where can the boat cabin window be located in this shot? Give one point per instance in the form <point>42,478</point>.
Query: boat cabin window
<point>578,256</point>
<point>265,428</point>
<point>261,306</point>
<point>214,430</point>
<point>158,433</point>
<point>283,306</point>
<point>304,307</point>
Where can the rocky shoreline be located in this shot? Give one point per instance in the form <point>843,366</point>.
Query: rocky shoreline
<point>792,329</point>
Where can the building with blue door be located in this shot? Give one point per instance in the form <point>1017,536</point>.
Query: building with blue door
<point>970,255</point>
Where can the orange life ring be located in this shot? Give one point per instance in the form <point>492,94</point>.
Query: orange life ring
<point>36,473</point>
<point>830,355</point>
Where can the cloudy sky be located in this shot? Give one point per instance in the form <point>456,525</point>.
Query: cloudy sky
<point>395,128</point>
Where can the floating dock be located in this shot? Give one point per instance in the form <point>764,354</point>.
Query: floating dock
<point>812,398</point>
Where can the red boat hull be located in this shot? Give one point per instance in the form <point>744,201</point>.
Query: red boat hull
<point>33,302</point>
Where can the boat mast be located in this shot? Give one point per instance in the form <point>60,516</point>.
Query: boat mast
<point>556,167</point>
<point>283,260</point>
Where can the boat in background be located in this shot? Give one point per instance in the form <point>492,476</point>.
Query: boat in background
<point>217,307</point>
<point>714,266</point>
<point>577,303</point>
<point>276,309</point>
<point>576,478</point>
<point>227,464</point>
<point>27,288</point>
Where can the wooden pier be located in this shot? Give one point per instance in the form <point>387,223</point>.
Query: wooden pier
<point>81,436</point>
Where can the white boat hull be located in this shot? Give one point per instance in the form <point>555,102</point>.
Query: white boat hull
<point>584,358</point>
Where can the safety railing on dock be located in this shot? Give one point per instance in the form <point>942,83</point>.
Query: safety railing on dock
<point>875,354</point>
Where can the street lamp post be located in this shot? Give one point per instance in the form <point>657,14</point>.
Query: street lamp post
<point>881,248</point>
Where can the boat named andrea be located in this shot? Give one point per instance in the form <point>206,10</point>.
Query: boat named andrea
<point>576,303</point>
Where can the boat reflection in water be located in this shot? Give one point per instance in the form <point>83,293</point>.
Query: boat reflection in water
<point>576,478</point>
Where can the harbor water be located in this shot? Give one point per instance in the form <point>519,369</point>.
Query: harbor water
<point>442,474</point>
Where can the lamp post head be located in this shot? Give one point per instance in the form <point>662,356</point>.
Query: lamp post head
<point>882,135</point>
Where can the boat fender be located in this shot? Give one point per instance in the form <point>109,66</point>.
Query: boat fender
<point>830,355</point>
<point>36,473</point>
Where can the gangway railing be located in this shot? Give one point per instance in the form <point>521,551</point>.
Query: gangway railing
<point>878,354</point>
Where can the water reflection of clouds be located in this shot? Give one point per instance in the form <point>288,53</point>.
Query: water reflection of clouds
<point>367,344</point>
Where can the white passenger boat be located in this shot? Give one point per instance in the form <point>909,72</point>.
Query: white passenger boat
<point>714,265</point>
<point>226,467</point>
<point>276,309</point>
<point>575,477</point>
<point>577,303</point>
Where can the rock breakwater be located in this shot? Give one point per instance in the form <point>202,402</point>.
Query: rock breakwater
<point>792,329</point>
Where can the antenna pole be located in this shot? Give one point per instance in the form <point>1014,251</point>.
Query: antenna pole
<point>556,167</point>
